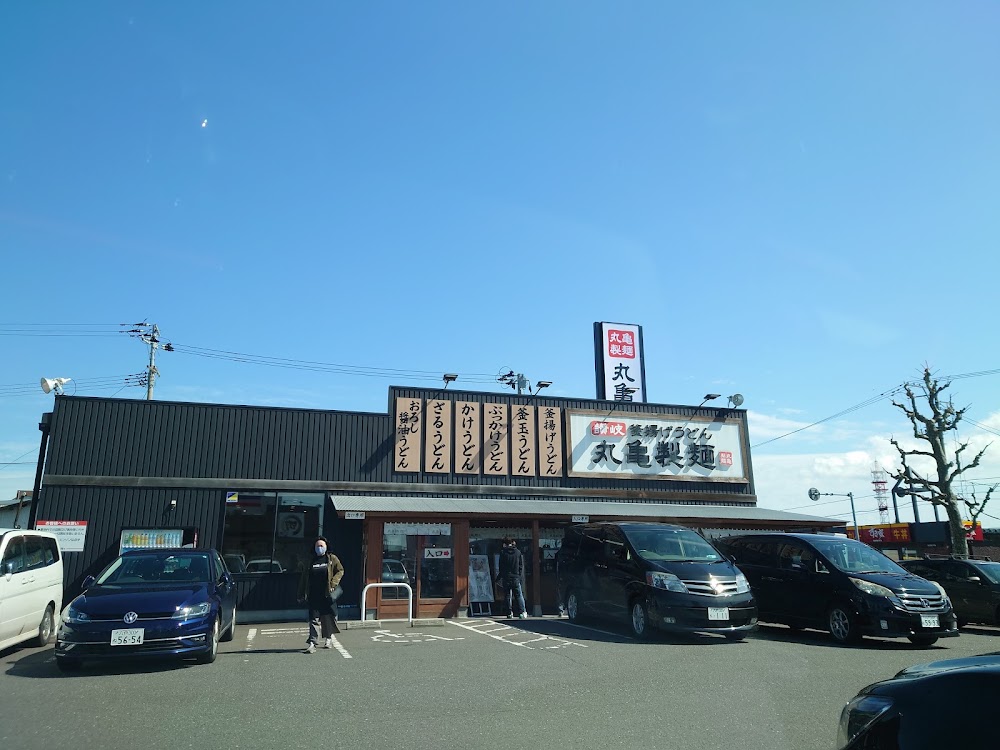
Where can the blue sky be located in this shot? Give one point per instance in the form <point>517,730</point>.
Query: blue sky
<point>797,202</point>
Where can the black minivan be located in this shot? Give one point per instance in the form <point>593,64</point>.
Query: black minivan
<point>653,575</point>
<point>838,584</point>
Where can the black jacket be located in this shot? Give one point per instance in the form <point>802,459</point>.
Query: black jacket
<point>511,565</point>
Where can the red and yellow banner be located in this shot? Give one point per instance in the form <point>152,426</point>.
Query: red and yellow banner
<point>883,533</point>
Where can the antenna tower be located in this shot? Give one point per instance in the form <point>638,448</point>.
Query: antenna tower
<point>880,485</point>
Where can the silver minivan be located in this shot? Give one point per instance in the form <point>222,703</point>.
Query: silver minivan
<point>31,586</point>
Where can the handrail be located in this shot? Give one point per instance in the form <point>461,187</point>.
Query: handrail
<point>409,598</point>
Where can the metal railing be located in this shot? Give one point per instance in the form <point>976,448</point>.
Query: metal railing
<point>409,598</point>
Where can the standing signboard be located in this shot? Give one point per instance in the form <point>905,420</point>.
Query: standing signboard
<point>621,373</point>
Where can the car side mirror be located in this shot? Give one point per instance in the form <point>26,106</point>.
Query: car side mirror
<point>87,583</point>
<point>8,569</point>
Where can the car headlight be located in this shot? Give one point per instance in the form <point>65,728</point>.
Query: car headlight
<point>875,590</point>
<point>195,610</point>
<point>72,614</point>
<point>666,581</point>
<point>858,715</point>
<point>742,584</point>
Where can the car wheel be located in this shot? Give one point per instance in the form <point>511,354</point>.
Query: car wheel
<point>231,630</point>
<point>573,607</point>
<point>961,622</point>
<point>45,629</point>
<point>841,625</point>
<point>923,640</point>
<point>68,665</point>
<point>639,619</point>
<point>209,656</point>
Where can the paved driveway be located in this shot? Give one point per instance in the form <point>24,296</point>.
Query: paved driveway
<point>466,683</point>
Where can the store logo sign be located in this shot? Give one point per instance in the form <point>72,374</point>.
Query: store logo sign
<point>608,429</point>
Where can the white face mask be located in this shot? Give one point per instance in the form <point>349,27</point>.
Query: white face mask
<point>320,549</point>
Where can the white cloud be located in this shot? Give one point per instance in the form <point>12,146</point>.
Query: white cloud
<point>783,481</point>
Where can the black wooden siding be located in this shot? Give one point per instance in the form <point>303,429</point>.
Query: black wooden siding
<point>108,510</point>
<point>128,438</point>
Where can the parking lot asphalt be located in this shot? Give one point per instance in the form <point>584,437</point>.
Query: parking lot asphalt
<point>466,682</point>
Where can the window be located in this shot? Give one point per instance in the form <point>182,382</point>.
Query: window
<point>756,552</point>
<point>34,552</point>
<point>13,556</point>
<point>271,532</point>
<point>157,568</point>
<point>796,557</point>
<point>425,552</point>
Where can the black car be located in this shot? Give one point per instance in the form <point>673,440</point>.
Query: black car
<point>653,575</point>
<point>972,585</point>
<point>921,708</point>
<point>151,602</point>
<point>838,584</point>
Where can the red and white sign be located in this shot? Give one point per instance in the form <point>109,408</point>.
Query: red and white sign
<point>614,429</point>
<point>886,533</point>
<point>71,534</point>
<point>435,553</point>
<point>725,458</point>
<point>973,534</point>
<point>621,344</point>
<point>620,374</point>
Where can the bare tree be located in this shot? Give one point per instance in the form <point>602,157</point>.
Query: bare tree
<point>933,429</point>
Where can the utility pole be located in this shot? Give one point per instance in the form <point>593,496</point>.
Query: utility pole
<point>149,334</point>
<point>154,342</point>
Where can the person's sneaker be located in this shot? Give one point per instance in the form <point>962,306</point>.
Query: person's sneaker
<point>523,616</point>
<point>310,649</point>
<point>329,643</point>
<point>510,615</point>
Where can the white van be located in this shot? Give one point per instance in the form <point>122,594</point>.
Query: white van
<point>31,586</point>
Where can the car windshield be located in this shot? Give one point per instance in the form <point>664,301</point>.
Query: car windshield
<point>156,568</point>
<point>989,570</point>
<point>672,545</point>
<point>850,556</point>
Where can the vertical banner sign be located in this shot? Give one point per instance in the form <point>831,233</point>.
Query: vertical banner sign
<point>409,421</point>
<point>437,451</point>
<point>496,458</point>
<point>467,437</point>
<point>550,442</point>
<point>522,441</point>
<point>621,374</point>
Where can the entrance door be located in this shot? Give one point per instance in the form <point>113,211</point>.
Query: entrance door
<point>422,555</point>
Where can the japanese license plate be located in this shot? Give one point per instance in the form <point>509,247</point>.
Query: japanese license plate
<point>718,613</point>
<point>929,621</point>
<point>130,637</point>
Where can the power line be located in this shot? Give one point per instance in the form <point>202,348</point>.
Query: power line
<point>868,402</point>
<point>328,367</point>
<point>17,461</point>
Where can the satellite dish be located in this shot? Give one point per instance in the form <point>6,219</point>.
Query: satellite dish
<point>813,494</point>
<point>54,384</point>
<point>736,400</point>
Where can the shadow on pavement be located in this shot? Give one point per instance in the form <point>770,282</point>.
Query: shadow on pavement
<point>825,640</point>
<point>600,631</point>
<point>41,664</point>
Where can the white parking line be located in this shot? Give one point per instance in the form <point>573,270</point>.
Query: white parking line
<point>340,648</point>
<point>251,634</point>
<point>387,636</point>
<point>478,628</point>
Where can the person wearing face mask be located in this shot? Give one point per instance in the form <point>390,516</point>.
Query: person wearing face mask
<point>319,587</point>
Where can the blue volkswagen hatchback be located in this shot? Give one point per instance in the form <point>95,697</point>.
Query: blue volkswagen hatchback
<point>157,602</point>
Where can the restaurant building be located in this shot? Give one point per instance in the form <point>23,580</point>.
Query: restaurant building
<point>420,494</point>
